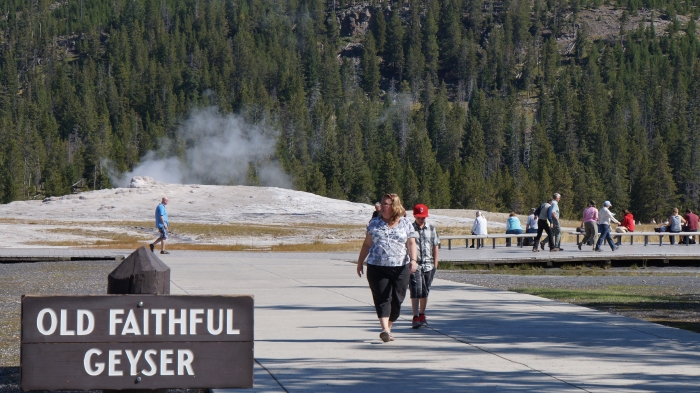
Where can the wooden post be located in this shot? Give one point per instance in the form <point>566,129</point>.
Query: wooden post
<point>142,272</point>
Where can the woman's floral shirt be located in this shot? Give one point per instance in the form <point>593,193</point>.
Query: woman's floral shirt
<point>389,244</point>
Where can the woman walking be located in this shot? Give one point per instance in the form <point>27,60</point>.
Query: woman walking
<point>590,224</point>
<point>390,249</point>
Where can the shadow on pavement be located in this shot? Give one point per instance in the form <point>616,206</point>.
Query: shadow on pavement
<point>552,346</point>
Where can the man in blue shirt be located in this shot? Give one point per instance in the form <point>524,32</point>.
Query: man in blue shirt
<point>162,225</point>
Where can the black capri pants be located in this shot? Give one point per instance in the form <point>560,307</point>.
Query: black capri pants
<point>388,285</point>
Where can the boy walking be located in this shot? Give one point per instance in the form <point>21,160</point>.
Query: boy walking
<point>427,242</point>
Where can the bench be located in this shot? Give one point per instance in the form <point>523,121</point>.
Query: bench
<point>480,238</point>
<point>449,239</point>
<point>646,236</point>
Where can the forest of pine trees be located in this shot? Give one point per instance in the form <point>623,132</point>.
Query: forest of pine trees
<point>452,103</point>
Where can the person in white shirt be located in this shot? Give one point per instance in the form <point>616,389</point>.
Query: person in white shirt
<point>604,218</point>
<point>479,228</point>
<point>530,227</point>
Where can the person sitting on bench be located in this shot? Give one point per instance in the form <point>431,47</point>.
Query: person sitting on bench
<point>479,228</point>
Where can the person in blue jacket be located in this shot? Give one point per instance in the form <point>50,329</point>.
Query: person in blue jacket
<point>162,225</point>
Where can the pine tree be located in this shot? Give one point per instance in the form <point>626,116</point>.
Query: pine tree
<point>394,44</point>
<point>415,60</point>
<point>450,35</point>
<point>430,46</point>
<point>380,29</point>
<point>333,30</point>
<point>370,68</point>
<point>656,194</point>
<point>390,179</point>
<point>410,194</point>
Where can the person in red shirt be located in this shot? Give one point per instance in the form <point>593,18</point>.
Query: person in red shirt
<point>627,224</point>
<point>691,224</point>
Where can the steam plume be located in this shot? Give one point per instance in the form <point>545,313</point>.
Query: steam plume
<point>218,149</point>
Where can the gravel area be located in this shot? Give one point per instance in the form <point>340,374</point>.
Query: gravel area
<point>671,300</point>
<point>673,284</point>
<point>41,278</point>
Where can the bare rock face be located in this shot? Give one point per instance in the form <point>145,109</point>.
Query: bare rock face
<point>141,181</point>
<point>355,20</point>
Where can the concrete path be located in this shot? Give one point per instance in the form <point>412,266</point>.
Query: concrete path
<point>316,331</point>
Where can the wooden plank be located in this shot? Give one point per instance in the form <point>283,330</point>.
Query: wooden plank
<point>133,322</point>
<point>63,366</point>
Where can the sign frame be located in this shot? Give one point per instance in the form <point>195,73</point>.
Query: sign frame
<point>116,342</point>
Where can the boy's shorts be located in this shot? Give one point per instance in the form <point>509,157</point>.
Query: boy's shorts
<point>420,282</point>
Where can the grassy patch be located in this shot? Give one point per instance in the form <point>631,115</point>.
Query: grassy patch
<point>215,229</point>
<point>654,304</point>
<point>138,233</point>
<point>608,295</point>
<point>564,270</point>
<point>135,243</point>
<point>100,239</point>
<point>503,269</point>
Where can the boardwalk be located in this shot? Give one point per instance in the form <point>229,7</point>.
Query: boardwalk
<point>571,254</point>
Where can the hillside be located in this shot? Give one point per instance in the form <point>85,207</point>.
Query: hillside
<point>454,103</point>
<point>200,215</point>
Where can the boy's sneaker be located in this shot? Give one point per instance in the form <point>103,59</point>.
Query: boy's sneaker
<point>416,322</point>
<point>422,320</point>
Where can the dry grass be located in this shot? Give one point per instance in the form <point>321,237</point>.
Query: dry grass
<point>120,240</point>
<point>229,230</point>
<point>18,221</point>
<point>215,229</point>
<point>302,247</point>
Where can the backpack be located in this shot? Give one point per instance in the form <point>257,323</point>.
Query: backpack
<point>538,211</point>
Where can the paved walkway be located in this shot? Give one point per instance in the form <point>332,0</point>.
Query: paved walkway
<point>316,331</point>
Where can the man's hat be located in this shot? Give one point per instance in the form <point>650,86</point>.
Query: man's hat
<point>607,204</point>
<point>420,210</point>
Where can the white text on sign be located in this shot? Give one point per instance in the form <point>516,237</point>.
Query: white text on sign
<point>139,322</point>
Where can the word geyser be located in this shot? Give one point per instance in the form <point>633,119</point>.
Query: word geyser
<point>164,321</point>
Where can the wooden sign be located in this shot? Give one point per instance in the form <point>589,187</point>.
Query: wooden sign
<point>136,342</point>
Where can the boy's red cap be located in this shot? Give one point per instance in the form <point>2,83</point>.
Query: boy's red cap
<point>420,210</point>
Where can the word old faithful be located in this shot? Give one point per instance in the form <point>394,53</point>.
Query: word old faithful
<point>138,322</point>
